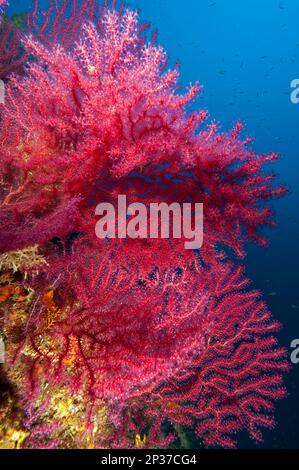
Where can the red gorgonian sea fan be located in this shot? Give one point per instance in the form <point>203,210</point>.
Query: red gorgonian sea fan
<point>189,345</point>
<point>111,109</point>
<point>169,337</point>
<point>60,23</point>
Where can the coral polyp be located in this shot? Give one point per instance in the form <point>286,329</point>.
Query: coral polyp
<point>120,343</point>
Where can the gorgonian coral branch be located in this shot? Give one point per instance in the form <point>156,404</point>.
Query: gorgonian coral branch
<point>110,108</point>
<point>126,335</point>
<point>191,344</point>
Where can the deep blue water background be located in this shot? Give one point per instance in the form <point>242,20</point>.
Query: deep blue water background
<point>245,53</point>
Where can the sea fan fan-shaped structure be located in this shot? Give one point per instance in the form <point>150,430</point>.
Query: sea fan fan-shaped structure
<point>191,341</point>
<point>60,23</point>
<point>97,333</point>
<point>110,108</point>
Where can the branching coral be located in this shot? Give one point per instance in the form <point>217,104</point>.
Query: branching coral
<point>61,21</point>
<point>188,346</point>
<point>111,108</point>
<point>123,343</point>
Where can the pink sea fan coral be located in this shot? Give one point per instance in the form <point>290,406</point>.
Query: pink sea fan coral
<point>115,318</point>
<point>165,336</point>
<point>61,21</point>
<point>190,346</point>
<point>110,108</point>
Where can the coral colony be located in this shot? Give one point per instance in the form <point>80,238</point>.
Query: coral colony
<point>123,342</point>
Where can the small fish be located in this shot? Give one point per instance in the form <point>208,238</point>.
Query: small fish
<point>273,294</point>
<point>294,306</point>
